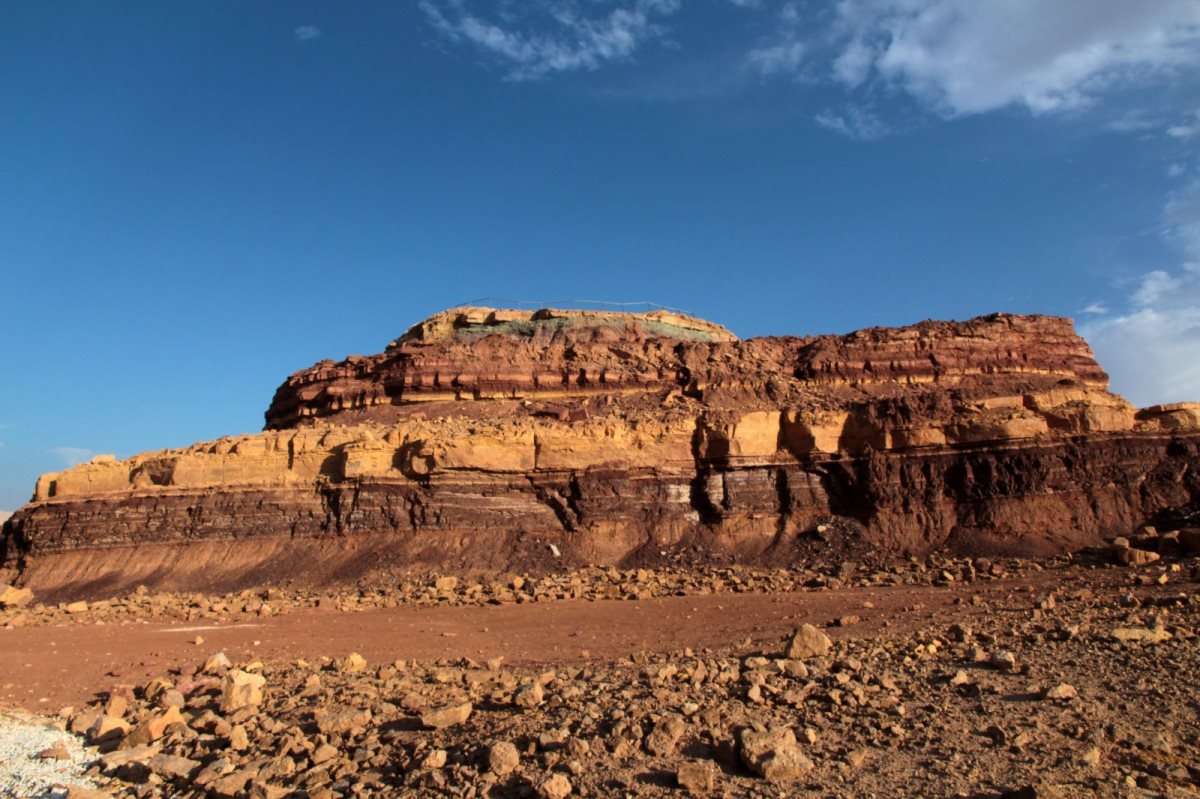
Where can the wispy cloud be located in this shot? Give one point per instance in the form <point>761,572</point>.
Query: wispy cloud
<point>72,456</point>
<point>1186,129</point>
<point>554,37</point>
<point>785,57</point>
<point>855,122</point>
<point>786,49</point>
<point>953,57</point>
<point>1095,309</point>
<point>306,33</point>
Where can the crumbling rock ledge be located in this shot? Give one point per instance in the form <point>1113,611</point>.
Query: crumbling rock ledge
<point>494,439</point>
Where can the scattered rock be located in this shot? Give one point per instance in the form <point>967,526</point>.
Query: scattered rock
<point>774,754</point>
<point>448,716</point>
<point>217,664</point>
<point>84,792</point>
<point>808,642</point>
<point>152,728</point>
<point>12,597</point>
<point>503,758</point>
<point>345,722</point>
<point>1141,635</point>
<point>1129,556</point>
<point>529,696</point>
<point>665,735</point>
<point>229,786</point>
<point>555,786</point>
<point>123,757</point>
<point>698,777</point>
<point>1061,693</point>
<point>58,752</point>
<point>171,767</point>
<point>435,759</point>
<point>241,689</point>
<point>239,741</point>
<point>107,729</point>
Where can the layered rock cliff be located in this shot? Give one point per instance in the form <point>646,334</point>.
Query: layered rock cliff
<point>491,438</point>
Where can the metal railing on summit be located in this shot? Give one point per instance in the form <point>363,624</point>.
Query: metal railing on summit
<point>638,306</point>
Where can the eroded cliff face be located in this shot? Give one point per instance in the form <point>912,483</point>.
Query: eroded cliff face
<point>483,437</point>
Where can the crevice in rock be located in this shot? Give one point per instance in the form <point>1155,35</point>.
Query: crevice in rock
<point>709,513</point>
<point>331,500</point>
<point>564,507</point>
<point>783,490</point>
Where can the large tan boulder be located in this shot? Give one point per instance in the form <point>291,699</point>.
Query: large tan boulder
<point>13,597</point>
<point>241,689</point>
<point>152,728</point>
<point>442,717</point>
<point>774,754</point>
<point>808,642</point>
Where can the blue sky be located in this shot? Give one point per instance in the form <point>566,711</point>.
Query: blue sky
<point>199,199</point>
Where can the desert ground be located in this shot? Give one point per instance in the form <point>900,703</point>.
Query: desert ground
<point>1072,676</point>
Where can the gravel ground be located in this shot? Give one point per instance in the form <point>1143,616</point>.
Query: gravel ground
<point>23,773</point>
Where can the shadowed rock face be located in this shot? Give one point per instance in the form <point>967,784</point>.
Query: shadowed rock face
<point>483,436</point>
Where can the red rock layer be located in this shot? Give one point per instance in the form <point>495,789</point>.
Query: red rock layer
<point>941,352</point>
<point>623,358</point>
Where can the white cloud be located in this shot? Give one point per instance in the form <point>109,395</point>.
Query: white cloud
<point>955,57</point>
<point>961,57</point>
<point>554,37</point>
<point>1152,355</point>
<point>1176,170</point>
<point>72,456</point>
<point>1096,308</point>
<point>855,122</point>
<point>306,33</point>
<point>1152,351</point>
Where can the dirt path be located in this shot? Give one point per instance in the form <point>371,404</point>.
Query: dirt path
<point>44,668</point>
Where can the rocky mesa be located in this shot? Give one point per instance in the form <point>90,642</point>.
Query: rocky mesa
<point>498,438</point>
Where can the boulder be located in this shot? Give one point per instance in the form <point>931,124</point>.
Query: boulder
<point>12,597</point>
<point>808,642</point>
<point>448,716</point>
<point>152,728</point>
<point>774,754</point>
<point>556,786</point>
<point>699,777</point>
<point>241,689</point>
<point>503,758</point>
